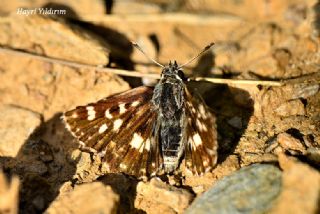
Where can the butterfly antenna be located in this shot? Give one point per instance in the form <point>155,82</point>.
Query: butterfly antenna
<point>199,54</point>
<point>140,49</point>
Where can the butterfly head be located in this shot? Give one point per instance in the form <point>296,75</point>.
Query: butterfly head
<point>172,70</point>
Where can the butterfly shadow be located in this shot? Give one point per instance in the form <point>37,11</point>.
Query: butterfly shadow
<point>125,186</point>
<point>43,165</point>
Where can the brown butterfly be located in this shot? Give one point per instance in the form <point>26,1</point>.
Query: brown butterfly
<point>147,131</point>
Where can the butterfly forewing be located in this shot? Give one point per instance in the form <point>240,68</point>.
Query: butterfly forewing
<point>120,128</point>
<point>201,147</point>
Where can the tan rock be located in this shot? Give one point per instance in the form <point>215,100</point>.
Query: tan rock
<point>86,198</point>
<point>50,88</point>
<point>16,125</point>
<point>52,37</point>
<point>300,188</point>
<point>282,100</point>
<point>157,193</point>
<point>287,142</point>
<point>250,9</point>
<point>87,167</point>
<point>134,7</point>
<point>165,26</point>
<point>291,108</point>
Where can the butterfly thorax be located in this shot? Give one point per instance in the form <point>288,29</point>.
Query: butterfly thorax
<point>169,101</point>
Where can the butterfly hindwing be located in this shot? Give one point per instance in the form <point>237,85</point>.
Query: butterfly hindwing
<point>120,128</point>
<point>201,147</point>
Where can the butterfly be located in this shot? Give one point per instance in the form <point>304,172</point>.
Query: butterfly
<point>148,131</point>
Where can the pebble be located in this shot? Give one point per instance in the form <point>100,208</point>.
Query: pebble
<point>291,108</point>
<point>235,122</point>
<point>87,167</point>
<point>252,189</point>
<point>284,142</point>
<point>87,198</point>
<point>171,198</point>
<point>304,90</point>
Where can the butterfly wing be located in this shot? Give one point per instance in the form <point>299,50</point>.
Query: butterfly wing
<point>121,129</point>
<point>201,148</point>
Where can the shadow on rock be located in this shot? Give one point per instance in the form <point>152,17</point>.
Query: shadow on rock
<point>119,45</point>
<point>125,187</point>
<point>43,165</point>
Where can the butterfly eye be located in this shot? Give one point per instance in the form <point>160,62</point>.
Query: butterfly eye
<point>181,75</point>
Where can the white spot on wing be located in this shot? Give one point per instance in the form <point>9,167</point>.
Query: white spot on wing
<point>122,108</point>
<point>135,103</point>
<point>201,126</point>
<point>91,112</point>
<point>203,112</point>
<point>197,140</point>
<point>147,146</point>
<point>103,128</point>
<point>211,152</point>
<point>201,109</point>
<point>107,114</point>
<point>136,141</point>
<point>117,124</point>
<point>123,166</point>
<point>74,115</point>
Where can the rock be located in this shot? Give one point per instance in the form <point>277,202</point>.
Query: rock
<point>53,37</point>
<point>252,189</point>
<point>16,125</point>
<point>157,193</point>
<point>87,167</point>
<point>250,10</point>
<point>286,101</point>
<point>266,66</point>
<point>285,142</point>
<point>47,87</point>
<point>86,198</point>
<point>282,56</point>
<point>290,143</point>
<point>302,90</point>
<point>291,108</point>
<point>235,122</point>
<point>9,195</point>
<point>300,188</point>
<point>135,7</point>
